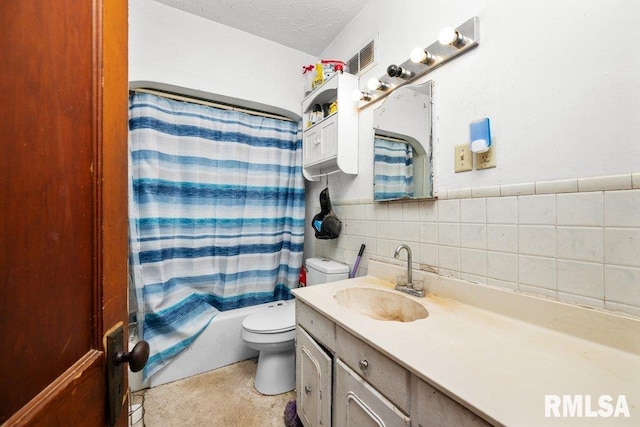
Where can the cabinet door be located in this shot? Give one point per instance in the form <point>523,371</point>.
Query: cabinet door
<point>313,381</point>
<point>321,141</point>
<point>312,145</point>
<point>329,129</point>
<point>357,403</point>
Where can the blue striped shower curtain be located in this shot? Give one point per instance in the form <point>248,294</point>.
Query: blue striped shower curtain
<point>393,169</point>
<point>216,216</point>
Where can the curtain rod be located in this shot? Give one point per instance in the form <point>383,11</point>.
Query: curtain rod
<point>390,138</point>
<point>183,98</point>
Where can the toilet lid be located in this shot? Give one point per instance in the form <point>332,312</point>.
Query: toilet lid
<point>280,317</point>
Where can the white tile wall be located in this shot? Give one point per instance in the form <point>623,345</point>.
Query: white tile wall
<point>576,240</point>
<point>502,238</point>
<point>623,208</point>
<point>580,209</point>
<point>502,210</point>
<point>473,236</point>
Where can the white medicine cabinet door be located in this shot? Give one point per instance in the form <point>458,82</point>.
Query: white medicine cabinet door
<point>321,142</point>
<point>313,377</point>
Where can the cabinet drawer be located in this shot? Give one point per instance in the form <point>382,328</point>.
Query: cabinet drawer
<point>356,403</point>
<point>318,326</point>
<point>391,379</point>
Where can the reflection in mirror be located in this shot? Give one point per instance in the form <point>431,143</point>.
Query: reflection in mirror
<point>393,169</point>
<point>403,144</point>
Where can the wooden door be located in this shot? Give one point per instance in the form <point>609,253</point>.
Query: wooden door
<point>63,206</point>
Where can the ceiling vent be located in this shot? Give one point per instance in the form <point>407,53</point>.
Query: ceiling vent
<point>364,59</point>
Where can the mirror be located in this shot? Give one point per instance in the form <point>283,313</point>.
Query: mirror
<point>402,145</point>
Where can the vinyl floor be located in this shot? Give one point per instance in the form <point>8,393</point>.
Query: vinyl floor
<point>222,397</point>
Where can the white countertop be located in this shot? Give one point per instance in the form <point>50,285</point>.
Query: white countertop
<point>499,364</point>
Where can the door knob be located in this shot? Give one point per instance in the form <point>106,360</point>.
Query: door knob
<point>136,358</point>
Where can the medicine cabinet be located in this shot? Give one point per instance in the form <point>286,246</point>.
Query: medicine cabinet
<point>330,136</point>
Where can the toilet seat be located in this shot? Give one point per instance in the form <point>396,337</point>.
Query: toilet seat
<point>275,319</point>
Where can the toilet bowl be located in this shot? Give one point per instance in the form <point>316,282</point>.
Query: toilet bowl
<point>272,332</point>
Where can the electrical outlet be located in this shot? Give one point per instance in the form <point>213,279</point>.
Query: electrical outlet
<point>486,160</point>
<point>463,158</point>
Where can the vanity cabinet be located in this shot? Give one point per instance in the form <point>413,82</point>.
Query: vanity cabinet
<point>343,381</point>
<point>330,144</point>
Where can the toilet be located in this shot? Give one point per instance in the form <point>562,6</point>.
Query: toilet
<point>272,332</point>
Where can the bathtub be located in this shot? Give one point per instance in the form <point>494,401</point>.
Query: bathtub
<point>217,346</point>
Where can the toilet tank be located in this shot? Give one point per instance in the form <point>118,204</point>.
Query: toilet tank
<point>323,270</point>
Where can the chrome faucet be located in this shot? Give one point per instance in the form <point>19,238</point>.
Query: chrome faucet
<point>396,254</point>
<point>408,287</point>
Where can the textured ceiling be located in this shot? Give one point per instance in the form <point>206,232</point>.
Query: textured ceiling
<point>307,26</point>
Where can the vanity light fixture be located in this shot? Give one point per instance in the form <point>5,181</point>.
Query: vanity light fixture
<point>449,36</point>
<point>394,70</point>
<point>451,43</point>
<point>376,84</point>
<point>421,56</point>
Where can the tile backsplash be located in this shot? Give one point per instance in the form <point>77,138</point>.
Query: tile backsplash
<point>572,240</point>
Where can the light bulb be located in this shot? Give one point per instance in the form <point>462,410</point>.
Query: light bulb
<point>395,71</point>
<point>449,36</point>
<point>373,83</point>
<point>358,95</point>
<point>418,55</point>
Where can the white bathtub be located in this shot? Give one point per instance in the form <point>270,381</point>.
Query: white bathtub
<point>217,346</point>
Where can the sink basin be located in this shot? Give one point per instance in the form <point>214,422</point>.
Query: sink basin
<point>381,305</point>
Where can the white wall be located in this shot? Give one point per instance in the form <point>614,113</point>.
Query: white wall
<point>175,48</point>
<point>560,81</point>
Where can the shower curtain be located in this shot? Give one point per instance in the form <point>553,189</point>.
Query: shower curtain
<point>216,216</point>
<point>393,169</point>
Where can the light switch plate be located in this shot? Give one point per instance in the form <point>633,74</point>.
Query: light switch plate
<point>463,158</point>
<point>486,160</point>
